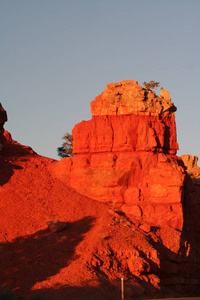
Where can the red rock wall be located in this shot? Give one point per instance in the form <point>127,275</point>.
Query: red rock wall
<point>126,154</point>
<point>126,133</point>
<point>147,185</point>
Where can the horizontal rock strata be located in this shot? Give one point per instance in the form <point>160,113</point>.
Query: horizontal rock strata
<point>126,154</point>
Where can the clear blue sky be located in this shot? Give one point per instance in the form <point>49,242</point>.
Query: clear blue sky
<point>57,55</point>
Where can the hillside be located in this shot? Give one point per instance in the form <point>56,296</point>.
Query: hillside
<point>86,259</point>
<point>123,207</point>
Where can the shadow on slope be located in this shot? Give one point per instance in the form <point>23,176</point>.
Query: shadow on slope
<point>190,245</point>
<point>6,171</point>
<point>31,259</point>
<point>84,293</point>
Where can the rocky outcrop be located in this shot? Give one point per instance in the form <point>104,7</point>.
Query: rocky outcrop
<point>126,157</point>
<point>148,229</point>
<point>3,119</point>
<point>126,154</point>
<point>128,97</point>
<point>7,145</point>
<point>3,116</point>
<point>126,133</point>
<point>127,117</point>
<point>193,170</point>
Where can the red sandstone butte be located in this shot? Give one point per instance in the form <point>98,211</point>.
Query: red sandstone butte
<point>126,154</point>
<point>144,228</point>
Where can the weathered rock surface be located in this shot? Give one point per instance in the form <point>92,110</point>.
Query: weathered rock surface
<point>126,133</point>
<point>126,157</point>
<point>193,170</point>
<point>145,226</point>
<point>147,185</point>
<point>126,154</point>
<point>128,97</point>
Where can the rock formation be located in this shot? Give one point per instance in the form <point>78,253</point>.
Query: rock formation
<point>145,226</point>
<point>193,170</point>
<point>7,145</point>
<point>126,154</point>
<point>3,119</point>
<point>193,178</point>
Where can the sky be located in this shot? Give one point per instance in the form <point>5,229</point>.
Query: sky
<point>56,56</point>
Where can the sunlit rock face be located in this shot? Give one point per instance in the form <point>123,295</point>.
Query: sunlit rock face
<point>127,117</point>
<point>128,97</point>
<point>193,170</point>
<point>126,154</point>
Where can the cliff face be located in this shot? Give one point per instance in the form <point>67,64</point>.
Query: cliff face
<point>126,157</point>
<point>126,117</point>
<point>126,154</point>
<point>145,226</point>
<point>126,133</point>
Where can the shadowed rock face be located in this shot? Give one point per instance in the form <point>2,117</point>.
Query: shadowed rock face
<point>3,116</point>
<point>193,170</point>
<point>7,145</point>
<point>3,119</point>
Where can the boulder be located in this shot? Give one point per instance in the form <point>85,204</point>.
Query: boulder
<point>56,225</point>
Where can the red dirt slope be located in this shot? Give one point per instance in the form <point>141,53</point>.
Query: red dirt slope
<point>145,227</point>
<point>84,261</point>
<point>87,259</point>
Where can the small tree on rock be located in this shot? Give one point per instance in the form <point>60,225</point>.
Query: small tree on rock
<point>67,146</point>
<point>151,85</point>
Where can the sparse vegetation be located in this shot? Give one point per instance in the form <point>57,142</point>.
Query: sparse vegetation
<point>67,146</point>
<point>151,85</point>
<point>121,219</point>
